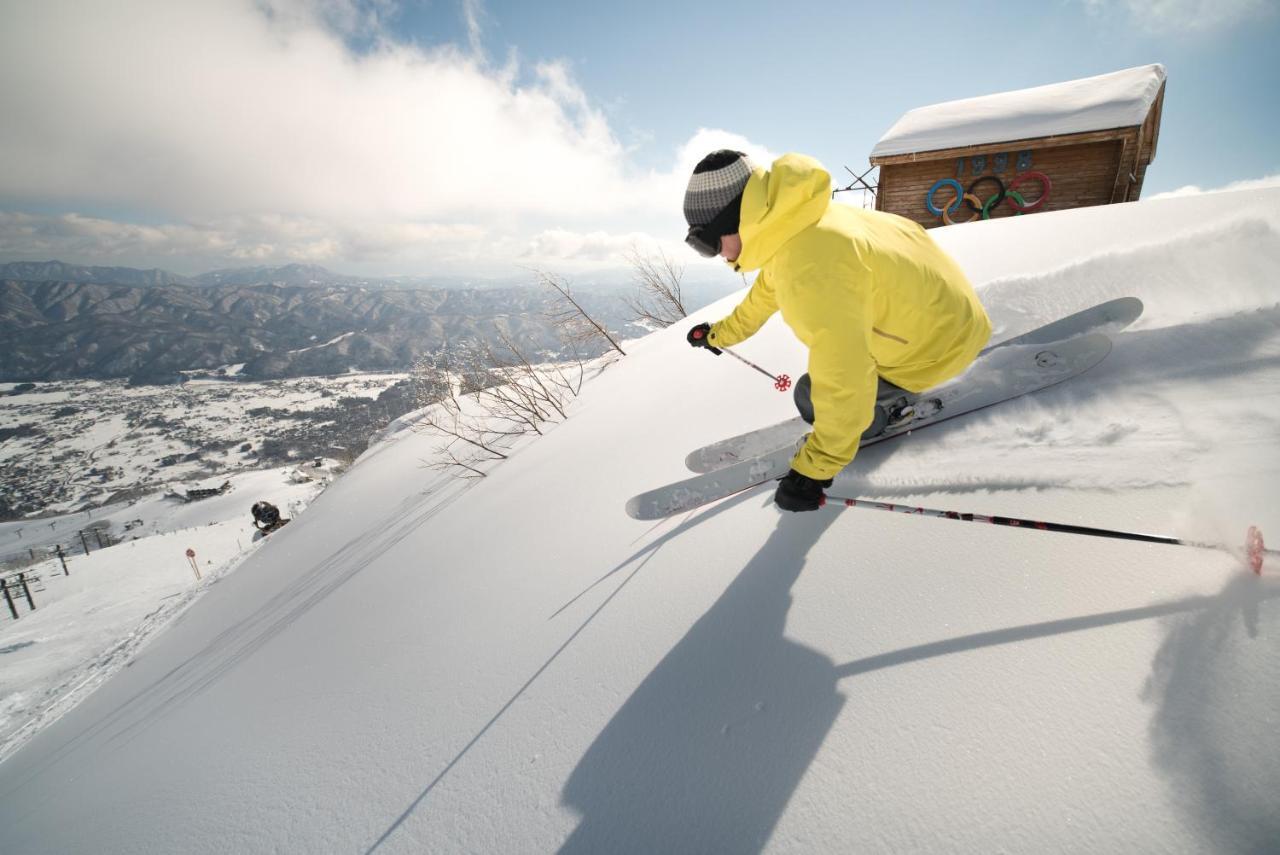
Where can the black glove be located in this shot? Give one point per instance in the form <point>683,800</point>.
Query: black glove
<point>699,336</point>
<point>798,492</point>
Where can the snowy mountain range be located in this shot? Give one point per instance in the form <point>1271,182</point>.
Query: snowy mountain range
<point>288,274</point>
<point>101,323</point>
<point>58,271</point>
<point>58,330</point>
<point>420,663</point>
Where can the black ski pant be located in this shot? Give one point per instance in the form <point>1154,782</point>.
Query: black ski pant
<point>886,392</point>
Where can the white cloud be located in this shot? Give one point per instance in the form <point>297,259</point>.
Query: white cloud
<point>204,108</point>
<point>555,246</point>
<point>472,15</point>
<point>1248,184</point>
<point>1185,17</point>
<point>707,140</point>
<point>368,247</point>
<point>252,238</point>
<point>254,130</point>
<point>348,17</point>
<point>664,191</point>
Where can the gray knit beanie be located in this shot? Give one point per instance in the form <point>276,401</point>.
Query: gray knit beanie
<point>716,184</point>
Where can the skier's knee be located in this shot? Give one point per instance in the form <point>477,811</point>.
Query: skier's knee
<point>802,395</point>
<point>879,421</point>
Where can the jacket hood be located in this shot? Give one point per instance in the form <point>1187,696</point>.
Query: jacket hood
<point>778,204</point>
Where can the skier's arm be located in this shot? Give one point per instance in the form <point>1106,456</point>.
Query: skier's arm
<point>758,306</point>
<point>844,378</point>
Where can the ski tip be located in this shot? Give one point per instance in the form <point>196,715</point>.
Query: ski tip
<point>1253,547</point>
<point>633,508</point>
<point>1131,306</point>
<point>1123,312</point>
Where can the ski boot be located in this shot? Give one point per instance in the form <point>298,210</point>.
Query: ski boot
<point>894,407</point>
<point>902,411</point>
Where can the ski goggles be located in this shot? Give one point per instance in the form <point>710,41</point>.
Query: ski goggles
<point>703,242</point>
<point>705,239</point>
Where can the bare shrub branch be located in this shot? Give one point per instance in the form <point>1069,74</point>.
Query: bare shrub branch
<point>487,400</point>
<point>467,441</point>
<point>659,300</point>
<point>576,326</point>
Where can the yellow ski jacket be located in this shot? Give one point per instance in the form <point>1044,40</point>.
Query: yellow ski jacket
<point>870,293</point>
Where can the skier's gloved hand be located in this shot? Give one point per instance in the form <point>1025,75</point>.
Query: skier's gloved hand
<point>699,337</point>
<point>798,492</point>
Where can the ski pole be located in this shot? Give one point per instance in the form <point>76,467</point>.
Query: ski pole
<point>1254,547</point>
<point>781,382</point>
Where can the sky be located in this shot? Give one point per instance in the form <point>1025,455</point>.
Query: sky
<point>487,139</point>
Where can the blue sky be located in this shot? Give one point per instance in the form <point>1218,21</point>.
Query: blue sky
<point>829,78</point>
<point>472,137</point>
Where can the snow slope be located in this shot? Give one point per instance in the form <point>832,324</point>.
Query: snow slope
<point>513,665</point>
<point>90,621</point>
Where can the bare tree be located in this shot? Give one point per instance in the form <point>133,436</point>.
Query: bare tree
<point>659,300</point>
<point>526,394</point>
<point>571,319</point>
<point>429,378</point>
<point>491,399</point>
<point>467,441</point>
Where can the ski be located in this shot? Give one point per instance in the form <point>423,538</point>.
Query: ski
<point>701,489</point>
<point>1001,375</point>
<point>1109,316</point>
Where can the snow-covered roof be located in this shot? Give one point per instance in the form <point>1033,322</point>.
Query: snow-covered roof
<point>1116,100</point>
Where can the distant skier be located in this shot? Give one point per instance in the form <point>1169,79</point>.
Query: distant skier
<point>881,307</point>
<point>266,517</point>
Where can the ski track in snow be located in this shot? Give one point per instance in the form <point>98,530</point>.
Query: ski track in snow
<point>55,700</point>
<point>93,622</point>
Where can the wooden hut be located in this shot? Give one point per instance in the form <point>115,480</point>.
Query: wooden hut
<point>1066,145</point>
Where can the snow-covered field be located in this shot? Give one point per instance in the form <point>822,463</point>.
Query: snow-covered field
<point>92,619</point>
<point>420,664</point>
<point>85,441</point>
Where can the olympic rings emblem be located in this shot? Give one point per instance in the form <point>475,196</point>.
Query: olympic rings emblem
<point>940,183</point>
<point>1045,186</point>
<point>972,201</point>
<point>970,198</point>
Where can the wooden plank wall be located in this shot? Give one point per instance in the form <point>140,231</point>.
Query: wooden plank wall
<point>1082,175</point>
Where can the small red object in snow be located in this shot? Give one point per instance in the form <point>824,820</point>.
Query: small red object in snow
<point>191,553</point>
<point>1253,547</point>
<point>783,383</point>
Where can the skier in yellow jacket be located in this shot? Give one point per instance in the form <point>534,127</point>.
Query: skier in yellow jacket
<point>877,302</point>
